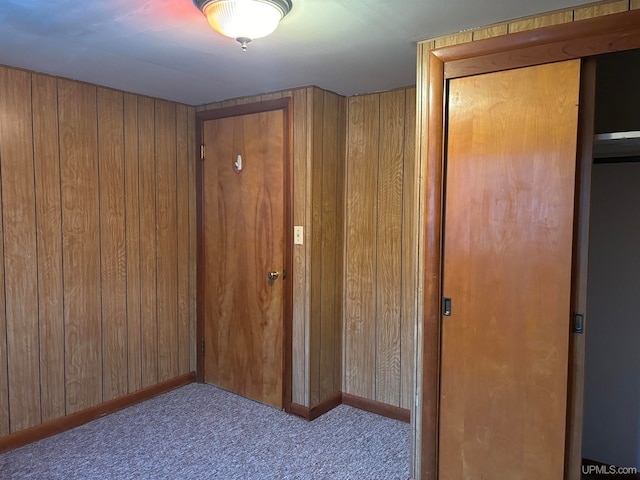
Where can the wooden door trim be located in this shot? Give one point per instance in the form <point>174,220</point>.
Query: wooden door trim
<point>613,33</point>
<point>575,379</point>
<point>568,41</point>
<point>284,104</point>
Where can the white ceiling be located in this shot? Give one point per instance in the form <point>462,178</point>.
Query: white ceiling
<point>166,49</point>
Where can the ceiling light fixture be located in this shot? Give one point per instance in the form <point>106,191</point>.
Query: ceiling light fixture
<point>244,20</point>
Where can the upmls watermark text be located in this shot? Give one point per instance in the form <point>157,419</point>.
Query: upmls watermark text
<point>608,470</point>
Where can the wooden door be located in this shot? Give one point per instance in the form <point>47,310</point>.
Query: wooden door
<point>244,218</point>
<point>509,207</point>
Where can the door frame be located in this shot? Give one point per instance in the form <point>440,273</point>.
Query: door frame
<point>580,39</point>
<point>284,104</point>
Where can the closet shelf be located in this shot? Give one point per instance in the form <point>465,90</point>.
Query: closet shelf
<point>616,144</point>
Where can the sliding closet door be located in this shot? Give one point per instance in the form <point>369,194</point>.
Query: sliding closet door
<point>509,205</point>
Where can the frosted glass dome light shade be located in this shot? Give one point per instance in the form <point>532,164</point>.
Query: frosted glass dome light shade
<point>244,19</point>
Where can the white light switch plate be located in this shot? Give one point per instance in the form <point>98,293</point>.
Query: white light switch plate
<point>298,235</point>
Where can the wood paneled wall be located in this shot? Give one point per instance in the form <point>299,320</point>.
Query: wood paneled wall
<point>381,251</point>
<point>328,113</point>
<point>355,284</point>
<point>97,282</point>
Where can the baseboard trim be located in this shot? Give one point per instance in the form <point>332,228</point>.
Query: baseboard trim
<point>379,408</point>
<point>317,410</point>
<point>33,434</point>
<point>367,405</point>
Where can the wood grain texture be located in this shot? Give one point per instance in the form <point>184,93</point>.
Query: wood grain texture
<point>132,223</point>
<point>463,37</point>
<point>191,129</point>
<point>589,37</point>
<point>166,240</point>
<point>208,211</point>
<point>432,153</point>
<point>112,243</point>
<point>614,32</point>
<point>182,230</point>
<point>20,257</point>
<point>419,180</point>
<point>307,241</point>
<point>579,274</point>
<point>244,314</point>
<point>147,199</point>
<point>389,244</point>
<point>4,380</point>
<point>300,159</point>
<point>81,244</point>
<point>340,242</point>
<point>490,32</point>
<point>507,267</point>
<point>361,246</point>
<point>316,227</point>
<point>302,254</point>
<point>599,10</point>
<point>390,191</point>
<point>541,21</point>
<point>328,355</point>
<point>71,332</point>
<point>410,266</point>
<point>44,94</point>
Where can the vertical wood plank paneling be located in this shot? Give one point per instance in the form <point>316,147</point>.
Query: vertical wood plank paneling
<point>112,243</point>
<point>298,373</point>
<point>541,21</point>
<point>81,244</point>
<point>316,245</point>
<point>327,357</point>
<point>49,240</point>
<point>600,10</point>
<point>490,32</point>
<point>147,196</point>
<point>191,157</point>
<point>410,262</point>
<point>635,4</point>
<point>389,241</point>
<point>182,230</point>
<point>20,261</point>
<point>340,241</point>
<point>455,39</point>
<point>78,183</point>
<point>132,223</point>
<point>308,222</point>
<point>166,240</point>
<point>4,380</point>
<point>360,302</point>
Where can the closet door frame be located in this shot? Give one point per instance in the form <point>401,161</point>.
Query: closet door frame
<point>580,39</point>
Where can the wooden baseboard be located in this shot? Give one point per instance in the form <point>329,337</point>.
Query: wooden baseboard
<point>379,408</point>
<point>367,405</point>
<point>73,420</point>
<point>314,412</point>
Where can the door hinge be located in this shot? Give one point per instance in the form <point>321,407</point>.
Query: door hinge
<point>201,152</point>
<point>202,346</point>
